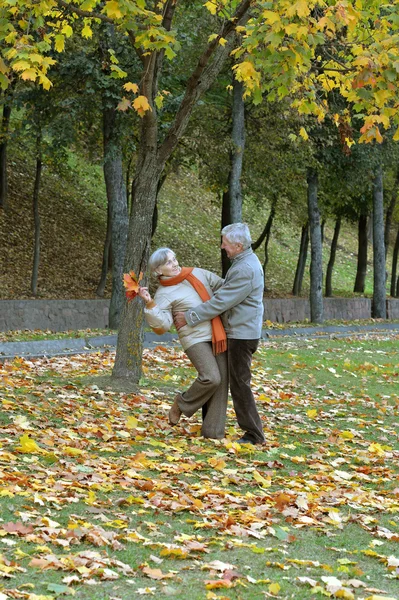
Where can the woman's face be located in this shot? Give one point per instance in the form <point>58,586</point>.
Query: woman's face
<point>170,268</point>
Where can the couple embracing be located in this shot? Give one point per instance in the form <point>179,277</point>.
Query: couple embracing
<point>219,323</point>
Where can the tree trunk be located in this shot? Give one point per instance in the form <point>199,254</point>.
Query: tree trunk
<point>333,251</point>
<point>379,292</point>
<point>226,220</point>
<point>116,195</point>
<point>322,227</point>
<point>106,256</point>
<point>394,292</point>
<point>316,262</point>
<point>301,264</point>
<point>232,198</point>
<point>3,155</point>
<point>237,153</point>
<point>266,234</point>
<point>130,336</point>
<point>362,246</point>
<point>390,211</point>
<point>36,218</point>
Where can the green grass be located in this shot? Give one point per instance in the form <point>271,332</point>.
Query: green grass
<point>109,476</point>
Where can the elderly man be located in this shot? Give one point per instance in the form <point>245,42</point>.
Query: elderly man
<point>241,300</point>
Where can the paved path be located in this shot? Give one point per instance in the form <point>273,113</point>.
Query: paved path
<point>66,346</point>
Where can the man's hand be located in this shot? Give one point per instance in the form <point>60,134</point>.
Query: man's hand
<point>179,320</point>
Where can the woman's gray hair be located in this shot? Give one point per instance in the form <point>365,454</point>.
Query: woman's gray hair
<point>238,233</point>
<point>158,258</point>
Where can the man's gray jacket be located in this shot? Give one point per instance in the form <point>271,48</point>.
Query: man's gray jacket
<point>240,299</point>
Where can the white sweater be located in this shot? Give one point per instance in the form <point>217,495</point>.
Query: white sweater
<point>169,300</point>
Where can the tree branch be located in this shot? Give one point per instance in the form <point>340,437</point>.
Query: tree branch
<point>201,78</point>
<point>84,13</point>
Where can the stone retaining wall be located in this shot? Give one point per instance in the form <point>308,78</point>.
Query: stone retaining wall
<point>55,315</point>
<point>64,315</point>
<point>284,310</point>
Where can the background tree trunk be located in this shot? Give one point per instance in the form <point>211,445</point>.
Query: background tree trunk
<point>301,264</point>
<point>106,256</point>
<point>36,218</point>
<point>266,234</point>
<point>232,198</point>
<point>316,262</point>
<point>379,292</point>
<point>362,244</point>
<point>116,195</point>
<point>395,254</point>
<point>333,251</point>
<point>3,155</point>
<point>390,211</point>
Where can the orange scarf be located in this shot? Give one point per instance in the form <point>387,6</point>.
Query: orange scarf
<point>219,338</point>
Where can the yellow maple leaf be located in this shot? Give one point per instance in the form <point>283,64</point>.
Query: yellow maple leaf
<point>211,6</point>
<point>28,445</point>
<point>29,75</point>
<point>112,9</point>
<point>274,588</point>
<point>131,422</point>
<point>312,413</point>
<point>131,87</point>
<point>59,42</point>
<point>222,41</point>
<point>70,451</point>
<point>141,105</point>
<point>217,463</point>
<point>262,480</point>
<point>303,133</point>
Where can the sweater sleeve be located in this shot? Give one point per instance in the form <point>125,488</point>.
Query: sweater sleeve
<point>158,314</point>
<point>214,281</point>
<point>232,292</point>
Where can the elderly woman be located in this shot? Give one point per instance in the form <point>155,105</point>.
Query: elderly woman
<point>181,288</point>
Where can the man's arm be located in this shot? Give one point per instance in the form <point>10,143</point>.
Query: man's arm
<point>233,291</point>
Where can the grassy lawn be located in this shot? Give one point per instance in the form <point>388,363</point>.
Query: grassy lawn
<point>102,499</point>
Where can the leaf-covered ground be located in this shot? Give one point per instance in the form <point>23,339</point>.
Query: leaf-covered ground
<point>100,498</point>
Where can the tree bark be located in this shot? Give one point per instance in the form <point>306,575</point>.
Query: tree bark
<point>116,195</point>
<point>237,153</point>
<point>316,262</point>
<point>265,235</point>
<point>390,211</point>
<point>106,256</point>
<point>3,155</point>
<point>36,218</point>
<point>333,252</point>
<point>150,164</point>
<point>394,291</point>
<point>379,292</point>
<point>362,247</point>
<point>232,197</point>
<point>301,264</point>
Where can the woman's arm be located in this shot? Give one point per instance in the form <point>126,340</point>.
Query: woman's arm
<point>157,312</point>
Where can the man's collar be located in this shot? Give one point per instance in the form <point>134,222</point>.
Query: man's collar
<point>243,254</point>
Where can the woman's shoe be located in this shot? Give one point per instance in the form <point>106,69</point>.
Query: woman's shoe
<point>175,412</point>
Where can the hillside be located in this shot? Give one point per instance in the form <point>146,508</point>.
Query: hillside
<point>73,223</point>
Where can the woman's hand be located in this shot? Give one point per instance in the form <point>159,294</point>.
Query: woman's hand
<point>145,294</point>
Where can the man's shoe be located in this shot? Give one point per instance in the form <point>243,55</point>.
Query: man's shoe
<point>245,440</point>
<point>175,412</point>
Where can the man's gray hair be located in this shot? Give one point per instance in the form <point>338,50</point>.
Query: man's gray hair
<point>238,233</point>
<point>158,258</point>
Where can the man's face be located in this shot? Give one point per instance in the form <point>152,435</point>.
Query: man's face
<point>231,248</point>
